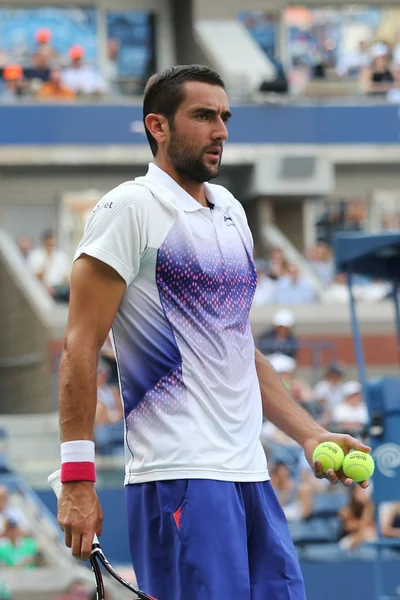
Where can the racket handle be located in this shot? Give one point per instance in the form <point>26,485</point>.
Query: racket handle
<point>54,481</point>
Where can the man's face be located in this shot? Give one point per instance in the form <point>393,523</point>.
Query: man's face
<point>198,132</point>
<point>50,243</point>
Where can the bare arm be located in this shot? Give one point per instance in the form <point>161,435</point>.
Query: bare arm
<point>96,292</point>
<point>280,408</point>
<point>292,419</point>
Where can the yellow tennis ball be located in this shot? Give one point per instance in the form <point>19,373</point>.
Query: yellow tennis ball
<point>359,466</point>
<point>330,456</point>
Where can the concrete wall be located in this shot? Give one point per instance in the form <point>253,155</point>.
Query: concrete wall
<point>25,370</point>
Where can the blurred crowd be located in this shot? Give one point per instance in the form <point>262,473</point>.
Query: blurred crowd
<point>376,66</point>
<point>18,546</point>
<point>49,263</point>
<point>46,75</point>
<point>340,519</point>
<point>282,282</point>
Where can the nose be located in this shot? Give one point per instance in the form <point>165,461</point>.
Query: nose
<point>220,131</point>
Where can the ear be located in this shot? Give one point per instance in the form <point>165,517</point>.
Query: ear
<point>158,127</point>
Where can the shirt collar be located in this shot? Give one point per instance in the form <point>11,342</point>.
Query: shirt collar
<point>188,203</point>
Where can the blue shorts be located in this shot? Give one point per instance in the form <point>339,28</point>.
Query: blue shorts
<point>200,539</point>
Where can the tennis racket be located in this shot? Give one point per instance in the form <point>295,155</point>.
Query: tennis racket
<point>97,556</point>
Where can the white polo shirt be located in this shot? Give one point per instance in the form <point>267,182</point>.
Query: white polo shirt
<point>182,335</point>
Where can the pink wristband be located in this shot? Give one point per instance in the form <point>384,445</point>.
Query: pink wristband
<point>77,461</point>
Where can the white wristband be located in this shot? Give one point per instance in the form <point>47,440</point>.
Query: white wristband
<point>77,451</point>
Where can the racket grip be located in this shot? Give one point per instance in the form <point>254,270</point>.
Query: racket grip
<point>54,481</point>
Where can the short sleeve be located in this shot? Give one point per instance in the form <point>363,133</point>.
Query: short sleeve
<point>115,233</point>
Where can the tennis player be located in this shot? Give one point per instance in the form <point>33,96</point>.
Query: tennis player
<point>166,261</point>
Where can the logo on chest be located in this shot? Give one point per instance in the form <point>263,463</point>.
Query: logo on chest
<point>228,221</point>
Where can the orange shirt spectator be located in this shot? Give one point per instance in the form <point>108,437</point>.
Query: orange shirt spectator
<point>54,90</point>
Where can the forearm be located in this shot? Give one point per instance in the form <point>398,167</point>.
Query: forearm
<point>78,390</point>
<point>278,406</point>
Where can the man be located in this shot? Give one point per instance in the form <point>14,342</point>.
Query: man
<point>80,78</point>
<point>51,265</point>
<point>10,513</point>
<point>329,392</point>
<point>167,261</point>
<point>294,288</point>
<point>281,338</point>
<point>351,414</point>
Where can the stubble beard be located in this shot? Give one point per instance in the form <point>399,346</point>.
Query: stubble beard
<point>188,163</point>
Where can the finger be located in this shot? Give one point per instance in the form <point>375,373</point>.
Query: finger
<point>357,445</point>
<point>318,472</point>
<point>86,546</point>
<point>76,545</point>
<point>344,479</point>
<point>364,484</point>
<point>68,538</point>
<point>332,477</point>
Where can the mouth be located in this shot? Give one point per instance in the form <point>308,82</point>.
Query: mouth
<point>215,153</point>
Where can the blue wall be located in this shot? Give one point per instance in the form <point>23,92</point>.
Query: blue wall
<point>347,580</point>
<point>99,125</point>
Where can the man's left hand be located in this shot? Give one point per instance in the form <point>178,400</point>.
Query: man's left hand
<point>346,442</point>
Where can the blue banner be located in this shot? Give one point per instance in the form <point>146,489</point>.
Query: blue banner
<point>35,125</point>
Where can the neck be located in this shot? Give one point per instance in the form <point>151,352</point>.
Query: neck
<point>194,188</point>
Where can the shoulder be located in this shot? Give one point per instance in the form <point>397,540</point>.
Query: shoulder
<point>126,198</point>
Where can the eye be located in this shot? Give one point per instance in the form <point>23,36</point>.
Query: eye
<point>202,117</point>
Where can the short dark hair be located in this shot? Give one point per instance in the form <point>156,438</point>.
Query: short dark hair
<point>47,234</point>
<point>163,93</point>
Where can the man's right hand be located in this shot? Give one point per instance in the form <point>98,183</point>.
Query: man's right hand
<point>79,516</point>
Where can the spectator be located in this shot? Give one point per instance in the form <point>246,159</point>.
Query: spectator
<point>329,392</point>
<point>379,77</point>
<point>52,266</point>
<point>296,500</point>
<point>39,73</point>
<point>389,519</point>
<point>277,263</point>
<point>321,260</point>
<point>112,66</point>
<point>281,338</point>
<point>300,391</point>
<point>357,519</point>
<point>77,590</point>
<point>351,414</point>
<point>352,63</point>
<point>8,512</point>
<point>54,89</point>
<point>109,425</point>
<point>15,85</point>
<point>338,291</point>
<point>79,78</point>
<point>24,244</point>
<point>293,288</point>
<point>265,291</point>
<point>17,550</point>
<point>43,37</point>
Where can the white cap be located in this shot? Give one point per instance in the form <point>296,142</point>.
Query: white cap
<point>379,49</point>
<point>282,363</point>
<point>350,388</point>
<point>283,318</point>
